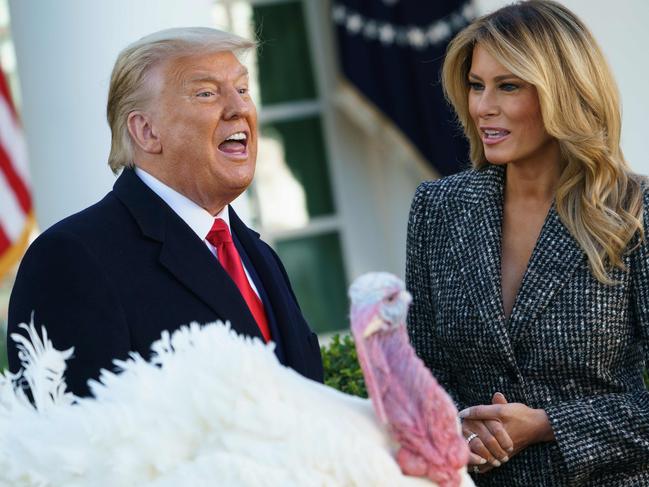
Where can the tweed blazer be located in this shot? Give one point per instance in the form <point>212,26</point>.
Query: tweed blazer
<point>572,345</point>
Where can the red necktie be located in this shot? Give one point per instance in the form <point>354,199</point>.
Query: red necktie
<point>220,237</point>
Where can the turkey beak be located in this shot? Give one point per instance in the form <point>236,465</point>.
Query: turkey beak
<point>375,325</point>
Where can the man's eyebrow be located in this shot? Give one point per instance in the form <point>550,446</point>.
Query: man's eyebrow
<point>497,78</point>
<point>205,77</point>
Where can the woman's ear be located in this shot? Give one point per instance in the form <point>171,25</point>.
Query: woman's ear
<point>142,132</point>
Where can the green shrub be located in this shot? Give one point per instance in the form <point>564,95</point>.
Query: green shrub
<point>341,368</point>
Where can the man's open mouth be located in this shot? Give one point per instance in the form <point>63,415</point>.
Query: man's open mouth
<point>235,144</point>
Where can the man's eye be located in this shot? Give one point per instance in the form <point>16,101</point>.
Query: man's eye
<point>204,94</point>
<point>243,91</point>
<point>475,86</point>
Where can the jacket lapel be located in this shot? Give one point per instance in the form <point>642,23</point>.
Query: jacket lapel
<point>554,259</point>
<point>476,232</point>
<point>475,226</point>
<point>184,255</point>
<point>278,295</point>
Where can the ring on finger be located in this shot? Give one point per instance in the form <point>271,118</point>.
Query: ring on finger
<point>472,436</point>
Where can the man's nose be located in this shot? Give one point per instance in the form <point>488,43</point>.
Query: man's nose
<point>235,106</point>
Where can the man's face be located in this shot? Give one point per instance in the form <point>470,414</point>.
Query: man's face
<point>207,127</point>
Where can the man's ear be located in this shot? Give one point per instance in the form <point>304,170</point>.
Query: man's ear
<point>142,132</point>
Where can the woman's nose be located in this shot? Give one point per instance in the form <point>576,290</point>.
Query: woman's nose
<point>488,104</point>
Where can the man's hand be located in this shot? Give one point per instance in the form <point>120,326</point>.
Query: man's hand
<point>523,425</point>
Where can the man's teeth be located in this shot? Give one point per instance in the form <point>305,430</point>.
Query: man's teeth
<point>237,136</point>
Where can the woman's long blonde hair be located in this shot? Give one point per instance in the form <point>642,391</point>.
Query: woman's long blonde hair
<point>598,198</point>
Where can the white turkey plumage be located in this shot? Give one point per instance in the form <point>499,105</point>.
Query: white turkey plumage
<point>210,408</point>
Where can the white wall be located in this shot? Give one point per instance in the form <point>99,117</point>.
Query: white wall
<point>622,30</point>
<point>65,51</point>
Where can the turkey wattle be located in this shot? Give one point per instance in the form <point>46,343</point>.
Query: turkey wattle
<point>406,397</point>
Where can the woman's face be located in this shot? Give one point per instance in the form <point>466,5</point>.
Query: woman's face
<point>506,112</point>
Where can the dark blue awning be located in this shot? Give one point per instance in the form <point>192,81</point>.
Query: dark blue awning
<point>392,52</point>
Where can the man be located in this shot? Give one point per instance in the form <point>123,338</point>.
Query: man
<point>164,248</point>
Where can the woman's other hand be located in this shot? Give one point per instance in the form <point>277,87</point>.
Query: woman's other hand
<point>489,441</point>
<point>524,426</point>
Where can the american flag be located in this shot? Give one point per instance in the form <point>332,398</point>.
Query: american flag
<point>16,211</point>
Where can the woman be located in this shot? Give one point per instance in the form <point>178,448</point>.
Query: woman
<point>530,272</point>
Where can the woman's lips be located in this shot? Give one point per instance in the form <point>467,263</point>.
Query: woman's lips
<point>491,136</point>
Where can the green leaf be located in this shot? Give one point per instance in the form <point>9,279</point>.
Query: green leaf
<point>341,368</point>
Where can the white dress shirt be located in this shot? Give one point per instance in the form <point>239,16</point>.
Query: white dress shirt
<point>196,217</point>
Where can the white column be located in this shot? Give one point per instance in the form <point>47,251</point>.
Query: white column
<point>65,52</point>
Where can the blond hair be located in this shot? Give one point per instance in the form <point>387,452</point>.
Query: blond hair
<point>128,83</point>
<point>598,198</point>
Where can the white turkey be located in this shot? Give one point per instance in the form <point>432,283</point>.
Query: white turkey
<point>215,408</point>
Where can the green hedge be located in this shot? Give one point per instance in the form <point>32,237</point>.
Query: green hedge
<point>341,368</point>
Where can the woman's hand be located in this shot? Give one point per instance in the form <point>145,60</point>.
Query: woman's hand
<point>489,443</point>
<point>524,426</point>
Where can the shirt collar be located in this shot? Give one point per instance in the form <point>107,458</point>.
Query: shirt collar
<point>197,218</point>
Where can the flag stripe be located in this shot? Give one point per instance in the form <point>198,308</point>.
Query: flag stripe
<point>12,217</point>
<point>16,213</point>
<point>13,140</point>
<point>5,243</point>
<point>6,95</point>
<point>19,189</point>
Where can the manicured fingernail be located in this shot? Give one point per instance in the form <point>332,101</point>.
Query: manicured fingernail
<point>482,461</point>
<point>496,463</point>
<point>510,450</point>
<point>505,459</point>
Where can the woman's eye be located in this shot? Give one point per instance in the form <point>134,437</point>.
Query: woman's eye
<point>475,86</point>
<point>508,87</point>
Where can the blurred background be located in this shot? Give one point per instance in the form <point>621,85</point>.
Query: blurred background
<point>352,119</point>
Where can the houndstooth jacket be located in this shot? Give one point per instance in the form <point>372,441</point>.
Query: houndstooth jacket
<point>572,346</point>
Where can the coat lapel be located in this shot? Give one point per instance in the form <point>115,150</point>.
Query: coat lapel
<point>475,223</point>
<point>184,255</point>
<point>291,334</point>
<point>476,230</point>
<point>554,259</point>
<point>189,260</point>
